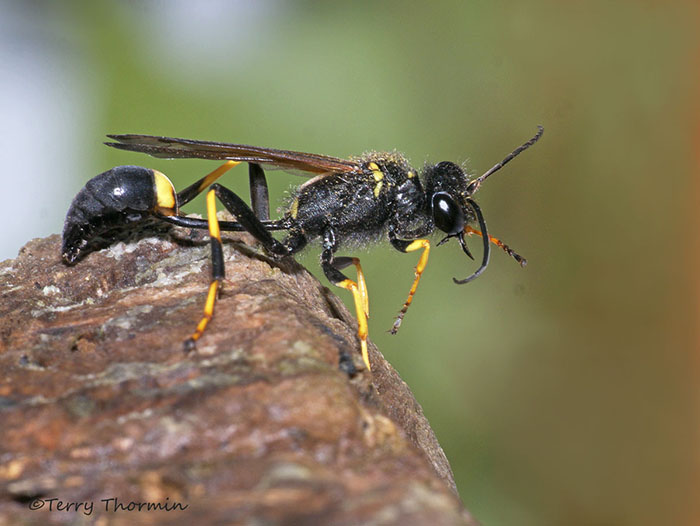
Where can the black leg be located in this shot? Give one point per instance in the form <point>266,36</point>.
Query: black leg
<point>246,217</point>
<point>225,226</point>
<point>259,197</point>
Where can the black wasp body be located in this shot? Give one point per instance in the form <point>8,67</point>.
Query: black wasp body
<point>347,202</point>
<point>384,197</point>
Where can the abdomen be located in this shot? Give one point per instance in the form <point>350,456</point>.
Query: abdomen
<point>111,201</point>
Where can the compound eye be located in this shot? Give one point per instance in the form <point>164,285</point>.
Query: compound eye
<point>447,214</point>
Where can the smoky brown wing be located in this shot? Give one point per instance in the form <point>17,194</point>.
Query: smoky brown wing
<point>174,148</point>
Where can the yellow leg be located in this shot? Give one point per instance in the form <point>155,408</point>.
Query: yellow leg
<point>469,231</point>
<point>208,179</point>
<point>217,270</point>
<point>362,285</point>
<point>192,191</point>
<point>361,302</point>
<point>420,267</point>
<point>208,312</point>
<point>214,231</point>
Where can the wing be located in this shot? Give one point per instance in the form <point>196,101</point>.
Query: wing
<point>173,148</point>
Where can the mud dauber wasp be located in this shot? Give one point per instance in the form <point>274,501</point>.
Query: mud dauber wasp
<point>347,202</point>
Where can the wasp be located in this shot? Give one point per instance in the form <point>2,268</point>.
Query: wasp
<point>345,203</point>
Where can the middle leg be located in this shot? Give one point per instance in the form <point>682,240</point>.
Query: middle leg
<point>331,268</point>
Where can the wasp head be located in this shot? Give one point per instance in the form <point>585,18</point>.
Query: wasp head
<point>448,189</point>
<point>446,185</point>
<point>449,192</point>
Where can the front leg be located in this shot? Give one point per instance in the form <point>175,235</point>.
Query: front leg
<point>410,246</point>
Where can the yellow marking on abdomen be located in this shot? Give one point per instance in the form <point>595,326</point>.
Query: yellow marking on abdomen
<point>166,200</point>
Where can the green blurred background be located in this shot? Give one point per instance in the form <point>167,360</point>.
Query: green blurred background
<point>564,393</point>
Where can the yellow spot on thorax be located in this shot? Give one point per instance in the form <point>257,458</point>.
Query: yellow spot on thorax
<point>378,174</point>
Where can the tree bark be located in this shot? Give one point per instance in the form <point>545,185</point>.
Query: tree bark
<point>99,401</point>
